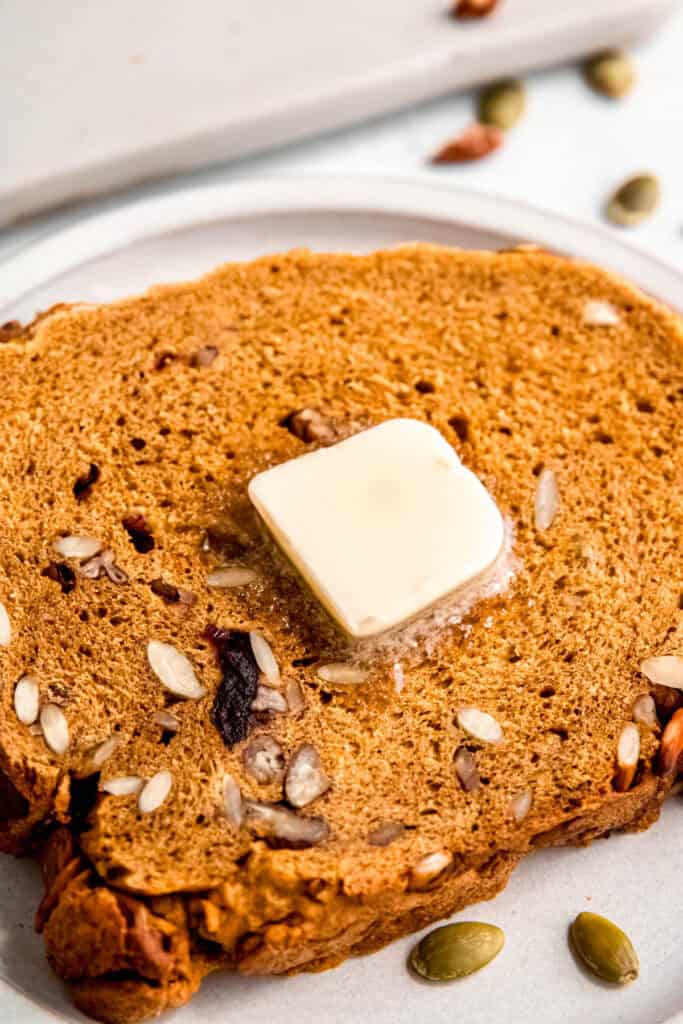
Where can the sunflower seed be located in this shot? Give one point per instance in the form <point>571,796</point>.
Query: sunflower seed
<point>456,950</point>
<point>604,949</point>
<point>166,720</point>
<point>666,670</point>
<point>155,792</point>
<point>386,833</point>
<point>546,499</point>
<point>520,805</point>
<point>628,752</point>
<point>77,547</point>
<point>5,628</point>
<point>428,869</point>
<point>27,700</point>
<point>268,699</point>
<point>598,313</point>
<point>645,711</point>
<point>341,673</point>
<point>232,800</point>
<point>295,697</point>
<point>285,826</point>
<point>174,670</point>
<point>122,785</point>
<point>480,724</point>
<point>264,657</point>
<point>466,769</point>
<point>55,728</point>
<point>306,780</point>
<point>231,576</point>
<point>264,759</point>
<point>104,751</point>
<point>634,201</point>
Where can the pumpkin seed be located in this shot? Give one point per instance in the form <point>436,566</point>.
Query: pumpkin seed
<point>604,949</point>
<point>611,73</point>
<point>635,200</point>
<point>502,104</point>
<point>456,950</point>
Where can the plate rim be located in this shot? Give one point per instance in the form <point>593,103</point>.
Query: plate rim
<point>139,219</point>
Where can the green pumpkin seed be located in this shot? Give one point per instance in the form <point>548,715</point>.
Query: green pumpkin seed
<point>604,949</point>
<point>611,73</point>
<point>635,200</point>
<point>456,950</point>
<point>502,104</point>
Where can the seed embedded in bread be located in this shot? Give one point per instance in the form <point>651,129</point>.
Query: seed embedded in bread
<point>231,576</point>
<point>342,674</point>
<point>122,785</point>
<point>666,670</point>
<point>546,499</point>
<point>480,724</point>
<point>174,670</point>
<point>264,759</point>
<point>520,804</point>
<point>55,728</point>
<point>628,752</point>
<point>155,792</point>
<point>77,547</point>
<point>167,721</point>
<point>285,826</point>
<point>598,313</point>
<point>103,564</point>
<point>306,779</point>
<point>104,751</point>
<point>264,657</point>
<point>294,695</point>
<point>429,869</point>
<point>466,769</point>
<point>5,628</point>
<point>268,699</point>
<point>27,700</point>
<point>645,711</point>
<point>232,800</point>
<point>386,833</point>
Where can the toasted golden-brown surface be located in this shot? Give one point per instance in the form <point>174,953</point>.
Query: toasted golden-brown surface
<point>177,399</point>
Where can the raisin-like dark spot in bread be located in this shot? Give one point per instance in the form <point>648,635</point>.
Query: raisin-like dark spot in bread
<point>166,591</point>
<point>61,573</point>
<point>236,693</point>
<point>85,482</point>
<point>140,534</point>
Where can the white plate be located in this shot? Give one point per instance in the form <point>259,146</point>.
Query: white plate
<point>177,85</point>
<point>635,880</point>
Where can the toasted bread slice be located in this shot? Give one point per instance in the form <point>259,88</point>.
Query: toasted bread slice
<point>138,427</point>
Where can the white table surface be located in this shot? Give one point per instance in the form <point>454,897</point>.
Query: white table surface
<point>567,154</point>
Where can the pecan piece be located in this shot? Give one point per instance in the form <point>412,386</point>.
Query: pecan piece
<point>477,141</point>
<point>671,747</point>
<point>467,10</point>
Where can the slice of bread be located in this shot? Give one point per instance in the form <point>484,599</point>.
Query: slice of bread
<point>140,424</point>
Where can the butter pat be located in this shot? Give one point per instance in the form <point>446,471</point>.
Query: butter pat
<point>381,525</point>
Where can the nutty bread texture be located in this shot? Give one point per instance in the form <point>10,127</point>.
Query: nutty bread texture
<point>141,423</point>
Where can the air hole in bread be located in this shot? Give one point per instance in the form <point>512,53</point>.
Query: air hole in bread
<point>461,426</point>
<point>425,387</point>
<point>547,691</point>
